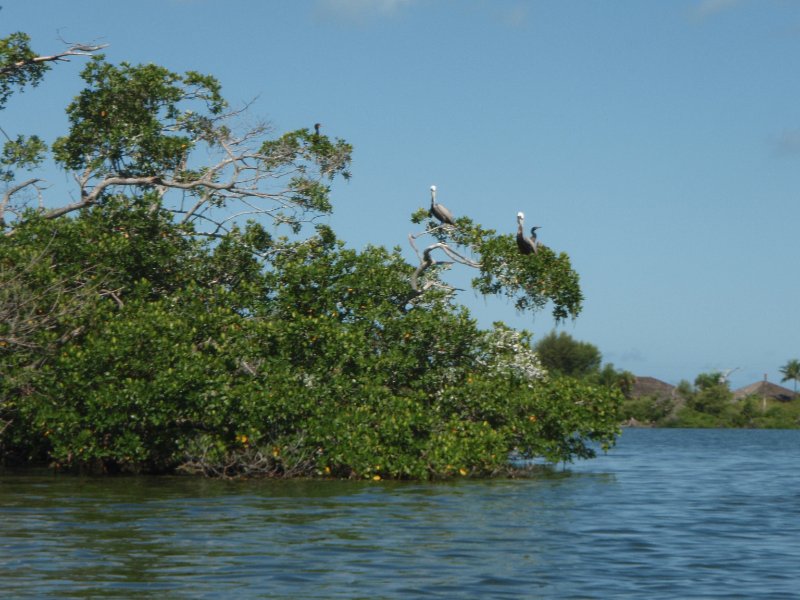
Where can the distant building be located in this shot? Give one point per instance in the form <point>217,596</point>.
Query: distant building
<point>650,386</point>
<point>765,389</point>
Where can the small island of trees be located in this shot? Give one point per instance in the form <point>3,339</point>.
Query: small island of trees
<point>177,310</point>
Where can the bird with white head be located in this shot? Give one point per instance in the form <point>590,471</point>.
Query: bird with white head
<point>439,211</point>
<point>526,245</point>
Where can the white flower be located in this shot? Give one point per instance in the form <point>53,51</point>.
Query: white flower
<point>509,354</point>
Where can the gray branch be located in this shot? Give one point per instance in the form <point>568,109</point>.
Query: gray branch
<point>74,50</point>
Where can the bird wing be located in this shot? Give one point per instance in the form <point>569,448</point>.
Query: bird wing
<point>444,215</point>
<point>524,244</point>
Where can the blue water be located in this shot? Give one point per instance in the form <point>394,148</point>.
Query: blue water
<point>667,514</point>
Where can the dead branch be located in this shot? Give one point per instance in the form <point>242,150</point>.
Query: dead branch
<point>242,174</point>
<point>114,294</point>
<point>427,260</point>
<point>6,201</point>
<point>74,50</point>
<point>27,309</point>
<point>266,460</point>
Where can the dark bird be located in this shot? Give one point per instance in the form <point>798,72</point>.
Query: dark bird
<point>439,211</point>
<point>526,245</point>
<point>316,130</point>
<point>533,236</point>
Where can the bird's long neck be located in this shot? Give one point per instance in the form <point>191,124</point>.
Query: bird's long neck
<point>519,227</point>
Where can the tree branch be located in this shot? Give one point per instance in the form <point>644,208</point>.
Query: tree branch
<point>427,261</point>
<point>74,50</point>
<point>10,192</point>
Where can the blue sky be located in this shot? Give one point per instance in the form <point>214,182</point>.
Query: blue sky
<point>657,143</point>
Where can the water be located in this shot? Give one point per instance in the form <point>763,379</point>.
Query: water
<point>673,514</point>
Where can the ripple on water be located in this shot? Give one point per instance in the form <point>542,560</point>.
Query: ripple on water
<point>668,514</point>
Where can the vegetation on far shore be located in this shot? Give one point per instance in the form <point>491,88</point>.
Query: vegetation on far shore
<point>710,402</point>
<point>707,402</point>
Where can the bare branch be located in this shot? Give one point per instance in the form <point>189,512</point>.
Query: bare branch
<point>74,50</point>
<point>114,295</point>
<point>279,181</point>
<point>11,191</point>
<point>427,261</point>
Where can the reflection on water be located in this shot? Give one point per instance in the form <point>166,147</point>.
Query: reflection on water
<point>667,514</point>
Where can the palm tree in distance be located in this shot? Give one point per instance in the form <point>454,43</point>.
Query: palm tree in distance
<point>791,370</point>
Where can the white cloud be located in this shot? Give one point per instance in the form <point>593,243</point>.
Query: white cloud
<point>708,8</point>
<point>787,143</point>
<point>361,10</point>
<point>515,16</point>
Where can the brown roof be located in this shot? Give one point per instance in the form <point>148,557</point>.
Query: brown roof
<point>765,388</point>
<point>650,386</point>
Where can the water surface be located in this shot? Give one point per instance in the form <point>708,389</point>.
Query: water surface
<point>666,514</point>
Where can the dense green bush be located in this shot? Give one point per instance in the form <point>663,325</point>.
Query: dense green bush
<point>145,329</point>
<point>318,365</point>
<point>651,409</point>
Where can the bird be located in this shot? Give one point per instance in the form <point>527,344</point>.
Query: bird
<point>316,129</point>
<point>723,377</point>
<point>526,245</point>
<point>439,211</point>
<point>533,236</point>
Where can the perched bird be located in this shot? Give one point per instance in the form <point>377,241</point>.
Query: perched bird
<point>440,211</point>
<point>533,236</point>
<point>316,129</point>
<point>526,245</point>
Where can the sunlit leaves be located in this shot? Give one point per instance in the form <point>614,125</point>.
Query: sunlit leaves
<point>326,362</point>
<point>135,120</point>
<point>531,282</point>
<point>138,128</point>
<point>22,152</point>
<point>17,68</point>
<point>162,333</point>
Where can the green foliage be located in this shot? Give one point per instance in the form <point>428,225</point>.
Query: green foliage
<point>648,409</point>
<point>133,340</point>
<point>611,377</point>
<point>707,403</point>
<point>791,372</point>
<point>710,403</point>
<point>692,418</point>
<point>324,364</point>
<point>574,413</point>
<point>17,68</point>
<point>778,415</point>
<point>134,386</point>
<point>21,153</point>
<point>136,120</point>
<point>711,396</point>
<point>531,281</point>
<point>562,354</point>
<point>713,381</point>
